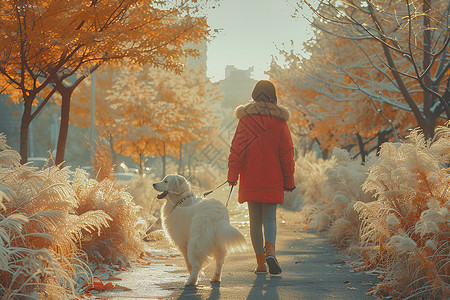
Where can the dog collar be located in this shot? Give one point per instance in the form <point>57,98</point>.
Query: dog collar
<point>181,201</point>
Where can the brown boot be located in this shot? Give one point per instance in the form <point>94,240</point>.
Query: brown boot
<point>271,260</point>
<point>261,261</point>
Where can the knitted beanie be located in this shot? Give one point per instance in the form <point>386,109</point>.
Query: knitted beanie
<point>264,91</point>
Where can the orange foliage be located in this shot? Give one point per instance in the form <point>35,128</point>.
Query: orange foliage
<point>49,45</point>
<point>326,97</point>
<point>142,108</point>
<point>91,32</point>
<point>348,85</point>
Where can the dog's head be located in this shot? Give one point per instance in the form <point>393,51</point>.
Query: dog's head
<point>171,184</point>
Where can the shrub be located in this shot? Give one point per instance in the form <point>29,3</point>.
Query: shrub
<point>392,212</point>
<point>48,223</point>
<point>330,188</point>
<point>405,234</point>
<point>310,176</point>
<point>122,239</point>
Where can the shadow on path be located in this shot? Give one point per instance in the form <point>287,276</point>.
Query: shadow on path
<point>312,269</point>
<point>265,288</point>
<point>196,292</point>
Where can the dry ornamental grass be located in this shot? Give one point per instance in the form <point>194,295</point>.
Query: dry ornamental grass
<point>51,227</point>
<point>392,212</point>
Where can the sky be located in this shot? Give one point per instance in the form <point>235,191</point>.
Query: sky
<point>251,31</point>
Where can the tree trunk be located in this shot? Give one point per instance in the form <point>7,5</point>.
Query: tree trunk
<point>66,94</point>
<point>362,151</point>
<point>325,153</point>
<point>163,156</point>
<point>383,136</point>
<point>190,164</point>
<point>24,127</point>
<point>427,97</point>
<point>141,164</point>
<point>180,161</point>
<point>419,116</point>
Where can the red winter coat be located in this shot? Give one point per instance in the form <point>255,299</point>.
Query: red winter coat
<point>262,153</point>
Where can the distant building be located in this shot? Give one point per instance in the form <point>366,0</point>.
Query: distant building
<point>237,86</point>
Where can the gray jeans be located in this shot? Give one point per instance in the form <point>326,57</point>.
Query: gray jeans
<point>262,214</point>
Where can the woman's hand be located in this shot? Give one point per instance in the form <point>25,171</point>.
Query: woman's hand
<point>289,189</point>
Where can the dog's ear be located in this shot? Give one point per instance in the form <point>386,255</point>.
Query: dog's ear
<point>180,185</point>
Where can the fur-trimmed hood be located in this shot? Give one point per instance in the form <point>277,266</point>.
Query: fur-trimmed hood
<point>262,108</point>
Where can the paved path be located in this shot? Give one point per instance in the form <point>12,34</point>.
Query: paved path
<point>312,269</point>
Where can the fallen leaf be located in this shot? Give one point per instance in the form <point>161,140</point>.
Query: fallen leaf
<point>111,277</point>
<point>98,286</point>
<point>119,287</point>
<point>109,286</point>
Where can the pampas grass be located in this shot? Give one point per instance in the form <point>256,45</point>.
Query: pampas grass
<point>144,196</point>
<point>405,234</point>
<point>343,187</point>
<point>310,176</point>
<point>33,204</point>
<point>123,237</point>
<point>49,223</point>
<point>101,161</point>
<point>26,273</point>
<point>391,214</point>
<point>330,188</point>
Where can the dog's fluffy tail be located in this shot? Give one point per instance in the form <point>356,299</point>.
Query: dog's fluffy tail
<point>230,238</point>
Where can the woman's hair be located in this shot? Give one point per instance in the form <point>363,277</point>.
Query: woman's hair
<point>264,91</point>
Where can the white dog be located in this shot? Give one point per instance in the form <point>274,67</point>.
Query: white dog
<point>200,228</point>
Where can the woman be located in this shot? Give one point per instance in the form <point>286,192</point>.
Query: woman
<point>262,154</point>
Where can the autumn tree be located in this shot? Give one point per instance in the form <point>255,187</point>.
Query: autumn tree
<point>151,112</point>
<point>106,112</point>
<point>406,42</point>
<point>344,92</point>
<point>326,107</point>
<point>130,109</point>
<point>204,101</point>
<point>21,68</point>
<point>66,41</point>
